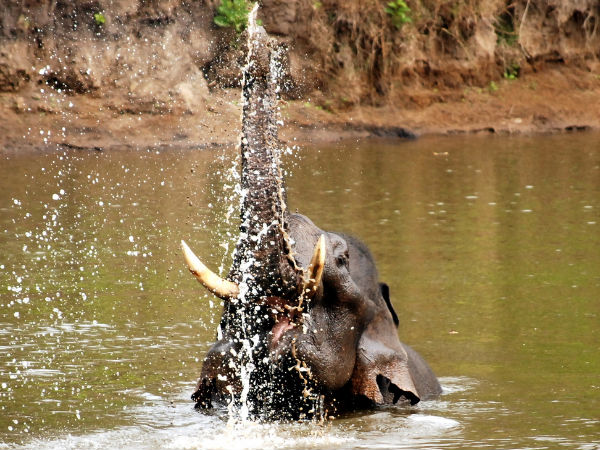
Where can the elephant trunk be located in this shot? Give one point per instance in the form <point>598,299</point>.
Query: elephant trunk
<point>263,264</point>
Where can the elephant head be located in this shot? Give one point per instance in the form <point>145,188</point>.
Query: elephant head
<point>306,328</point>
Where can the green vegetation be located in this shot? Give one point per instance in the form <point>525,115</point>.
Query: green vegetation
<point>505,30</point>
<point>493,87</point>
<point>399,13</point>
<point>99,19</point>
<point>512,71</point>
<point>233,13</point>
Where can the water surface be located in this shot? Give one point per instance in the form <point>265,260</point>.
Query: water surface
<point>491,247</point>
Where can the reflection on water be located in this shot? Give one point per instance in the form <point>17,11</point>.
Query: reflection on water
<point>490,246</point>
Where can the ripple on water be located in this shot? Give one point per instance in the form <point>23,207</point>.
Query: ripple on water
<point>250,436</point>
<point>164,424</point>
<point>452,385</point>
<point>179,427</point>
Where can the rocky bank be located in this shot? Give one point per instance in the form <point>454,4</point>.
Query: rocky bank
<point>110,73</point>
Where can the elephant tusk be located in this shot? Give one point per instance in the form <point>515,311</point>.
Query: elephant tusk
<point>214,283</point>
<point>316,266</point>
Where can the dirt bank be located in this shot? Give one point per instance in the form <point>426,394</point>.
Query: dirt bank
<point>104,73</point>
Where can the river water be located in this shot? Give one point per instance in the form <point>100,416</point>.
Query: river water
<point>491,247</point>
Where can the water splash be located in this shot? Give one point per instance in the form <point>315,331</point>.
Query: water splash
<point>251,351</point>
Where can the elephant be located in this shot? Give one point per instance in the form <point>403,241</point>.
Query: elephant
<point>307,328</point>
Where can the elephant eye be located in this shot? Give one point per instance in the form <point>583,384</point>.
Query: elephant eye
<point>343,259</point>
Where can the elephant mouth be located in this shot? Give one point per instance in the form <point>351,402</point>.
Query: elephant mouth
<point>282,325</point>
<point>284,317</point>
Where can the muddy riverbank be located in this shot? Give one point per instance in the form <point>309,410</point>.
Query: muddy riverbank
<point>554,101</point>
<point>151,74</point>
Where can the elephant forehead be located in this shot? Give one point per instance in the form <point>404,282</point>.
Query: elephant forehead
<point>304,235</point>
<point>337,243</point>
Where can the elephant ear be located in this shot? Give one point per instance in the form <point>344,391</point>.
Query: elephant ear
<point>381,373</point>
<point>385,293</point>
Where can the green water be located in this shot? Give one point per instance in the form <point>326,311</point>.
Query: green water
<point>491,247</point>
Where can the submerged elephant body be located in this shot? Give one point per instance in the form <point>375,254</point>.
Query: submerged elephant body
<point>307,328</point>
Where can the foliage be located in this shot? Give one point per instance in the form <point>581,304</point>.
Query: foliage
<point>505,30</point>
<point>99,19</point>
<point>493,86</point>
<point>233,13</point>
<point>399,13</point>
<point>512,71</point>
